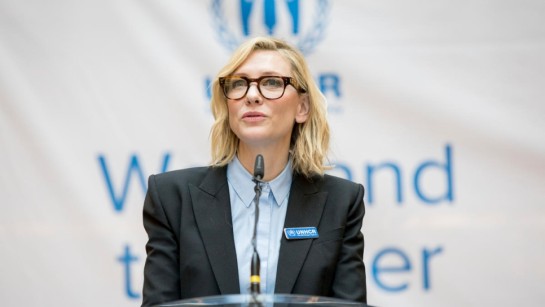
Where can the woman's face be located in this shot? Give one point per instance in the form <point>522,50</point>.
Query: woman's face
<point>258,121</point>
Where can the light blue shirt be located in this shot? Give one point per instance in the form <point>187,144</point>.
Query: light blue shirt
<point>273,204</point>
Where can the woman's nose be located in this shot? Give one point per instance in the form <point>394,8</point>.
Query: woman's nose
<point>253,95</point>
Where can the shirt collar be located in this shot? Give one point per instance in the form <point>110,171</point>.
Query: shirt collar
<point>241,181</point>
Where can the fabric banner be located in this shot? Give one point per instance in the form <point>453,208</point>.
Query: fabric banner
<point>436,107</point>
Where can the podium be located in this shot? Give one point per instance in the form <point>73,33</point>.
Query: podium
<point>266,300</point>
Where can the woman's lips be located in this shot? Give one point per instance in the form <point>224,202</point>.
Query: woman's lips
<point>253,116</point>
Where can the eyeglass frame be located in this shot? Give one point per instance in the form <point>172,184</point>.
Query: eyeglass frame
<point>287,81</point>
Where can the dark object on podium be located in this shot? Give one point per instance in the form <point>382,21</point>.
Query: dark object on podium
<point>265,300</point>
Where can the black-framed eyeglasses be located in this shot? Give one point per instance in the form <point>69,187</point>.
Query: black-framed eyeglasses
<point>270,87</point>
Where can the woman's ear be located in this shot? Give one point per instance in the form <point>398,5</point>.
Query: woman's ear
<point>302,109</point>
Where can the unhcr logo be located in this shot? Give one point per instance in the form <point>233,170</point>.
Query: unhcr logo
<point>301,233</point>
<point>302,23</point>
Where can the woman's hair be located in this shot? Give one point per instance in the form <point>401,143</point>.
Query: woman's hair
<point>310,140</point>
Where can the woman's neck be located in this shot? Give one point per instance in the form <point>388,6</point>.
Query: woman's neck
<point>275,159</point>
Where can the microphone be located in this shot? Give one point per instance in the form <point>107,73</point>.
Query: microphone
<point>255,279</point>
<point>259,168</point>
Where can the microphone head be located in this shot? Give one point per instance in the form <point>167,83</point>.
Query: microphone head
<point>259,167</point>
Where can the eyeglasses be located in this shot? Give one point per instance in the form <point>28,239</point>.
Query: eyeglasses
<point>270,87</point>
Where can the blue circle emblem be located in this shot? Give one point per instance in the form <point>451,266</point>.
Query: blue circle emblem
<point>301,23</point>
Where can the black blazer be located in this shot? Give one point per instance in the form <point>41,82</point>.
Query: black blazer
<point>191,250</point>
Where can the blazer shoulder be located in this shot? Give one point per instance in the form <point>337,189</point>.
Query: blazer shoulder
<point>184,177</point>
<point>334,182</point>
<point>186,173</point>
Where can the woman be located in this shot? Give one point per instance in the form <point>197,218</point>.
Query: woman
<point>200,220</point>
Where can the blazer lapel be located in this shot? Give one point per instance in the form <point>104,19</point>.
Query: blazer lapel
<point>211,205</point>
<point>305,208</point>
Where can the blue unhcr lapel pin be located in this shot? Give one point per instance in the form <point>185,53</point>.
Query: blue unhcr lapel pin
<point>301,233</point>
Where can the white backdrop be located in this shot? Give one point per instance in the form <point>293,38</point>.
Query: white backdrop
<point>437,107</point>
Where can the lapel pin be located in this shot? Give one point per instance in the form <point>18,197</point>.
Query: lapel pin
<point>298,233</point>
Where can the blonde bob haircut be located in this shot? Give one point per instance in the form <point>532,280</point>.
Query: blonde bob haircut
<point>310,140</point>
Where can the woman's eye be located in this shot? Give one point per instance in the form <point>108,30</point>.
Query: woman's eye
<point>273,82</point>
<point>238,83</point>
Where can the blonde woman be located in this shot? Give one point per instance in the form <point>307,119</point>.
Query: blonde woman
<point>200,220</point>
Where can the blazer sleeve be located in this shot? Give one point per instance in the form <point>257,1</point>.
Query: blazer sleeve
<point>161,275</point>
<point>349,281</point>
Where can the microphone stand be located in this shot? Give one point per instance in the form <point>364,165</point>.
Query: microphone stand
<point>255,278</point>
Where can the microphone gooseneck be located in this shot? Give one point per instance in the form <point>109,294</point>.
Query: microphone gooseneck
<point>255,279</point>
